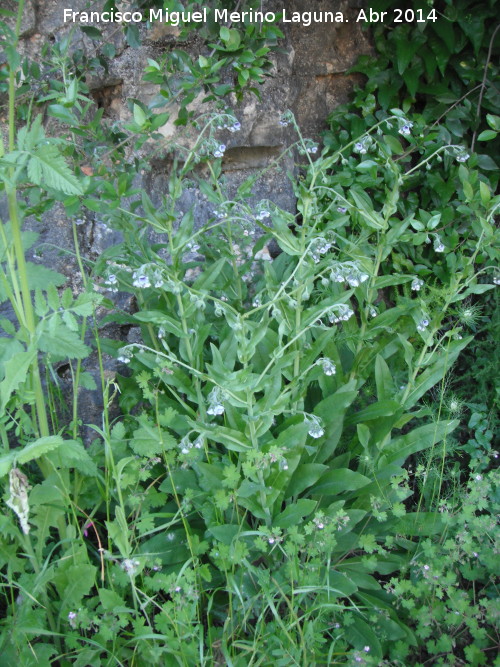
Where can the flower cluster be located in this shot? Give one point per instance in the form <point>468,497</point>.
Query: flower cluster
<point>212,147</point>
<point>147,275</point>
<point>262,210</point>
<point>130,566</point>
<point>72,616</point>
<point>286,118</point>
<point>405,127</point>
<point>228,122</point>
<point>340,313</point>
<point>320,520</point>
<point>327,365</point>
<point>315,428</point>
<point>198,300</point>
<point>215,398</point>
<point>310,147</point>
<point>186,445</point>
<point>319,246</point>
<point>363,146</point>
<point>111,281</point>
<point>423,324</point>
<point>125,355</point>
<point>417,284</point>
<point>438,244</point>
<point>220,213</point>
<point>220,150</point>
<point>348,273</point>
<point>461,154</point>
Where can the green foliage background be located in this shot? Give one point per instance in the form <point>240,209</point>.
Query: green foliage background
<point>302,470</point>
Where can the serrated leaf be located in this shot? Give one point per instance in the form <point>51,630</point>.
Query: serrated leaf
<point>52,297</point>
<point>149,440</point>
<point>55,173</point>
<point>38,448</point>
<point>35,171</point>
<point>16,371</point>
<point>70,320</point>
<point>39,277</point>
<point>56,339</point>
<point>86,381</point>
<point>74,455</point>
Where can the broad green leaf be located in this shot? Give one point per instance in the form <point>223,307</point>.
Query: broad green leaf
<point>337,481</point>
<point>170,547</point>
<point>178,481</point>
<point>417,440</point>
<point>231,438</point>
<point>382,408</point>
<point>361,635</point>
<point>6,463</point>
<point>493,121</point>
<point>473,289</point>
<point>332,410</point>
<point>225,533</point>
<point>74,455</point>
<point>294,513</point>
<point>305,475</point>
<point>210,476</point>
<point>139,115</point>
<point>383,379</point>
<point>61,113</point>
<point>406,47</point>
<point>487,163</point>
<point>487,135</point>
<point>336,585</point>
<point>161,319</point>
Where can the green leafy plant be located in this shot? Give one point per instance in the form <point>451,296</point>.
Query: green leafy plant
<point>278,487</point>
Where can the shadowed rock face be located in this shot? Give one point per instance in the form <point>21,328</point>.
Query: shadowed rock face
<point>308,77</point>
